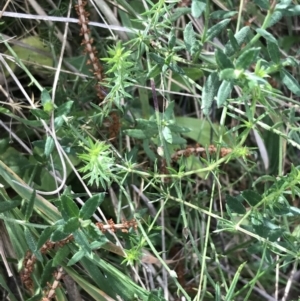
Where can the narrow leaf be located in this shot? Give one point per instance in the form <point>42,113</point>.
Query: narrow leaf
<point>274,52</point>
<point>264,4</point>
<point>235,205</point>
<point>223,92</point>
<point>9,205</point>
<point>190,41</point>
<point>60,255</point>
<point>209,91</point>
<point>223,60</point>
<point>290,82</point>
<point>30,204</point>
<point>47,274</point>
<point>91,205</point>
<point>252,197</point>
<point>198,7</point>
<point>49,146</point>
<point>71,225</point>
<point>247,58</point>
<point>216,29</point>
<point>69,206</point>
<point>237,40</point>
<point>167,134</point>
<point>268,36</point>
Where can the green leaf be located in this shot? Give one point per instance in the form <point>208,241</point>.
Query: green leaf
<point>232,46</point>
<point>82,241</point>
<point>198,7</point>
<point>49,146</point>
<point>264,4</point>
<point>209,92</point>
<point>248,57</point>
<point>91,205</point>
<point>45,236</point>
<point>40,114</point>
<point>167,134</point>
<point>216,29</point>
<point>71,225</point>
<point>230,74</point>
<point>252,197</point>
<point>221,14</point>
<point>47,274</point>
<point>235,205</point>
<point>31,242</point>
<point>64,109</point>
<point>190,41</point>
<point>268,36</point>
<point>9,205</point>
<point>293,10</point>
<point>201,129</point>
<point>290,82</point>
<point>58,235</point>
<point>136,133</point>
<point>30,205</point>
<point>158,59</point>
<point>60,255</point>
<point>275,18</point>
<point>223,92</point>
<point>76,257</point>
<point>236,41</point>
<point>69,207</point>
<point>47,101</point>
<point>223,60</point>
<point>274,52</point>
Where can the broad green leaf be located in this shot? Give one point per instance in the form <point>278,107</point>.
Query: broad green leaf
<point>71,225</point>
<point>216,29</point>
<point>76,257</point>
<point>190,41</point>
<point>60,255</point>
<point>47,273</point>
<point>235,205</point>
<point>264,4</point>
<point>198,7</point>
<point>31,242</point>
<point>248,57</point>
<point>34,53</point>
<point>91,205</point>
<point>275,18</point>
<point>236,41</point>
<point>176,139</point>
<point>273,51</point>
<point>178,12</point>
<point>200,130</point>
<point>49,146</point>
<point>81,239</point>
<point>58,235</point>
<point>69,207</point>
<point>290,82</point>
<point>136,133</point>
<point>230,74</point>
<point>268,36</point>
<point>158,59</point>
<point>47,101</point>
<point>30,205</point>
<point>223,60</point>
<point>45,236</point>
<point>40,114</point>
<point>64,109</point>
<point>209,92</point>
<point>252,197</point>
<point>167,134</point>
<point>223,92</point>
<point>292,10</point>
<point>221,14</point>
<point>9,205</point>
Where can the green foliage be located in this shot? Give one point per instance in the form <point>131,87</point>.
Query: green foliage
<point>197,139</point>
